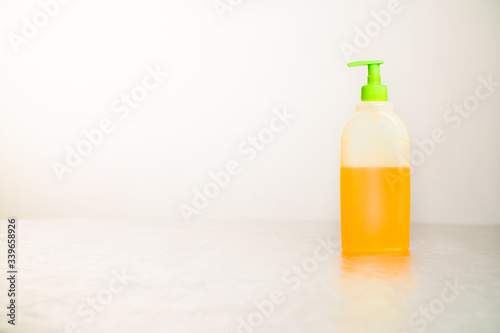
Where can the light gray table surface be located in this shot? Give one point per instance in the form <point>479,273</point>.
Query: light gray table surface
<point>97,276</point>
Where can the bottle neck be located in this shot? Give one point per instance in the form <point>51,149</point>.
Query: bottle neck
<point>375,106</point>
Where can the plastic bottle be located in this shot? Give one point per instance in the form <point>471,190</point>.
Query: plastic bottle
<point>374,173</point>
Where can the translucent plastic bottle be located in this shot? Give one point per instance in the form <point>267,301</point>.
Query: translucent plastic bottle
<point>374,173</point>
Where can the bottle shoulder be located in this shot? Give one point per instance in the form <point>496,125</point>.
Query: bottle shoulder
<point>368,120</point>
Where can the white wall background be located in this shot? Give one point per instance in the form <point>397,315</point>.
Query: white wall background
<point>226,76</point>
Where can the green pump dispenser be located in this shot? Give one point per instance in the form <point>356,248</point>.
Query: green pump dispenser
<point>374,90</point>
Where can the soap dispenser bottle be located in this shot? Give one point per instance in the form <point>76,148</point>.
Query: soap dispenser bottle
<point>374,173</point>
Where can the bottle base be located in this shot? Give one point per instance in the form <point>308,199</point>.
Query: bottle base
<point>374,251</point>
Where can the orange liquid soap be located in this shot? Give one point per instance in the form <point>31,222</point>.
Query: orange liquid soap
<point>374,208</point>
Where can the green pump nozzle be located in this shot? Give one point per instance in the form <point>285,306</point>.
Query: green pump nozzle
<point>374,90</point>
